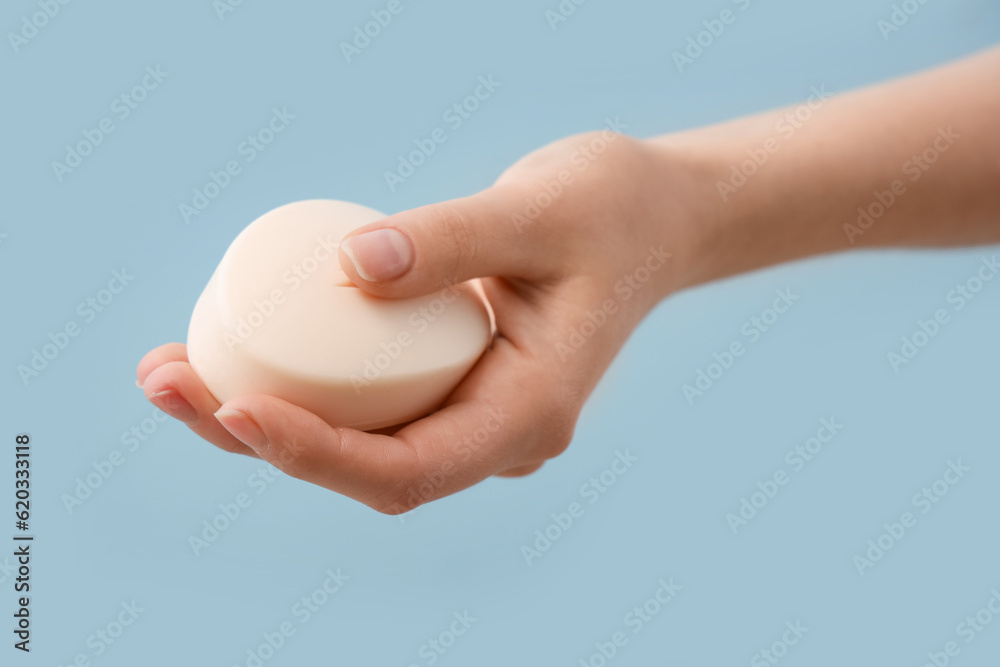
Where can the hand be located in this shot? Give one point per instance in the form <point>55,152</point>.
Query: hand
<point>574,246</point>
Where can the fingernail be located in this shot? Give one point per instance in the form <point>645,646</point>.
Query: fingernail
<point>138,384</point>
<point>171,402</point>
<point>380,255</point>
<point>243,428</point>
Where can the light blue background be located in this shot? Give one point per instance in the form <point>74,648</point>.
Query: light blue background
<point>665,518</point>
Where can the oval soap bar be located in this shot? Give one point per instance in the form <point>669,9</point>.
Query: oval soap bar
<point>280,317</point>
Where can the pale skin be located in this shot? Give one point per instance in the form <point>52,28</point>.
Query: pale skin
<point>627,196</point>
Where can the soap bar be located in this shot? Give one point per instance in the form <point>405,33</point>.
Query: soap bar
<point>280,317</point>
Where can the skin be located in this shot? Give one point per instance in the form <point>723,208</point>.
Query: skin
<point>627,196</point>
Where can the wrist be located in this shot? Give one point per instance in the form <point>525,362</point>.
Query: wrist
<point>695,222</point>
<point>743,208</point>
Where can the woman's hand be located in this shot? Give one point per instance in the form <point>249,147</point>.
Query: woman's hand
<point>579,240</point>
<point>575,244</point>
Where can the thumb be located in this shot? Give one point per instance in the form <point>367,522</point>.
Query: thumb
<point>415,252</point>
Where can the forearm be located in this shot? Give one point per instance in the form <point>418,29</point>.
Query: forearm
<point>914,162</point>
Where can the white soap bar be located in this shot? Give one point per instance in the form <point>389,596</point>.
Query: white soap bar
<point>280,317</point>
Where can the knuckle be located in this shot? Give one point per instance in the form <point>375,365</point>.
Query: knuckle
<point>396,488</point>
<point>289,457</point>
<point>460,232</point>
<point>395,509</point>
<point>559,434</point>
<point>557,444</point>
<point>395,500</point>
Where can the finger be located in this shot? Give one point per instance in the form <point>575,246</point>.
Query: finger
<point>177,390</point>
<point>363,466</point>
<point>490,424</point>
<point>520,471</point>
<point>390,474</point>
<point>419,251</point>
<point>470,439</point>
<point>156,358</point>
<point>496,421</point>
